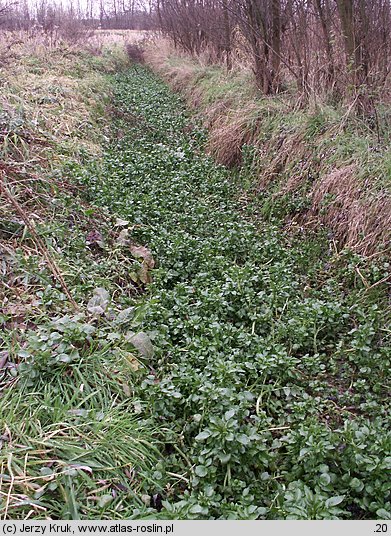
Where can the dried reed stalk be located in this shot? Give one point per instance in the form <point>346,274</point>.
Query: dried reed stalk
<point>39,242</point>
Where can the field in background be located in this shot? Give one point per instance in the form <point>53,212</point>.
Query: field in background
<point>15,44</point>
<point>121,36</point>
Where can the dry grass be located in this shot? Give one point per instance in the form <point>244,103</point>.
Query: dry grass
<point>229,131</point>
<point>341,203</point>
<point>277,155</point>
<point>121,37</point>
<point>47,94</point>
<point>45,101</point>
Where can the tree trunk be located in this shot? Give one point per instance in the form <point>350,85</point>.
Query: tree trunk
<point>275,45</point>
<point>227,36</point>
<point>346,15</point>
<point>324,22</point>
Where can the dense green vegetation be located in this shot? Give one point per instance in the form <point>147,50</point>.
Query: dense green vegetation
<point>248,380</point>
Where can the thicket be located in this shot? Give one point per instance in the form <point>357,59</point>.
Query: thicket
<point>338,48</point>
<point>74,20</point>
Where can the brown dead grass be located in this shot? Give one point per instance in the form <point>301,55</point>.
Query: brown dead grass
<point>122,37</point>
<point>357,219</point>
<point>277,155</point>
<point>229,130</point>
<point>45,102</point>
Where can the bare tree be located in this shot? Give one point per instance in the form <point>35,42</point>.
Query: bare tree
<point>340,46</point>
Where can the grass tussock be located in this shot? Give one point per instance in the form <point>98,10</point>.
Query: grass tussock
<point>287,150</point>
<point>235,128</point>
<point>338,201</point>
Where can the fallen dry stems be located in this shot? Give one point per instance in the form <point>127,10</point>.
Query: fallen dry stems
<point>38,241</point>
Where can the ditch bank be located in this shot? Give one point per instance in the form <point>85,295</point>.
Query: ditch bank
<point>216,367</point>
<point>314,165</point>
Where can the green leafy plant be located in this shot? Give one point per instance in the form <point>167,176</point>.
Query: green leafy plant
<point>251,367</point>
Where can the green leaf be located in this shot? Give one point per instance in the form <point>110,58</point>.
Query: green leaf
<point>224,458</point>
<point>243,439</point>
<point>229,414</point>
<point>64,358</point>
<point>105,500</point>
<point>203,435</point>
<point>356,484</point>
<point>142,342</point>
<point>334,501</point>
<point>99,301</point>
<point>125,315</point>
<point>325,479</point>
<point>201,470</point>
<point>383,514</point>
<point>196,509</point>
